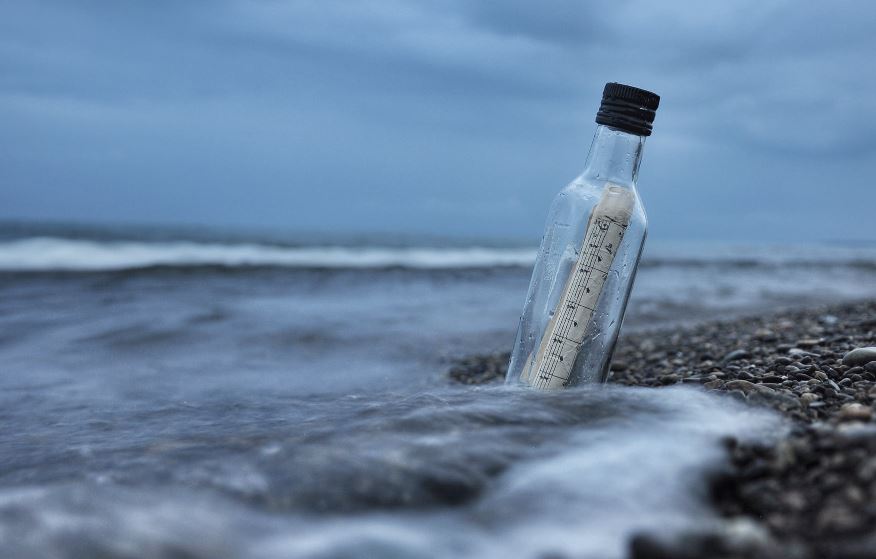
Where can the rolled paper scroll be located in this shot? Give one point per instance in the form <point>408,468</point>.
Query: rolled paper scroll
<point>553,361</point>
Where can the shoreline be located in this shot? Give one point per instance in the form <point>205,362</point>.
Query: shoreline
<point>808,495</point>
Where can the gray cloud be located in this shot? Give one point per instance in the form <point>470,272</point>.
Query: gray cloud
<point>440,116</point>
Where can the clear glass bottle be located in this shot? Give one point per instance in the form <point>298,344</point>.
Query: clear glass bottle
<point>589,254</point>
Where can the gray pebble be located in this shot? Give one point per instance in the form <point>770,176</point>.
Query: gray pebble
<point>765,334</point>
<point>618,365</point>
<point>738,354</point>
<point>742,385</point>
<point>860,356</point>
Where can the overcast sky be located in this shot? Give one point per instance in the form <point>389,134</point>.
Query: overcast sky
<point>446,117</point>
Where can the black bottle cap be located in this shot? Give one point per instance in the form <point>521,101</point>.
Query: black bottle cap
<point>627,108</point>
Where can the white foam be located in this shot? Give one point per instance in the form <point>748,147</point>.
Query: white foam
<point>704,252</point>
<point>66,254</point>
<point>637,460</point>
<point>59,254</point>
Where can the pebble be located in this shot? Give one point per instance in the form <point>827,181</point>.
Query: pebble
<point>860,356</point>
<point>855,412</point>
<point>619,365</point>
<point>797,352</point>
<point>671,378</point>
<point>765,334</point>
<point>737,354</point>
<point>743,385</point>
<point>854,371</point>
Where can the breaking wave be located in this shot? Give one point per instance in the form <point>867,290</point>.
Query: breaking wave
<point>60,254</point>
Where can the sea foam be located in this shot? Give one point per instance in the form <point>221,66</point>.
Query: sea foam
<point>59,254</point>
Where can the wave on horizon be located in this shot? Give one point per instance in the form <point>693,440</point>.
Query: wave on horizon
<point>59,254</point>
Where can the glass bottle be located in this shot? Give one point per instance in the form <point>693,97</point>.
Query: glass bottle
<point>587,262</point>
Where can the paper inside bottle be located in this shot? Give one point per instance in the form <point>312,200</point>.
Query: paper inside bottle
<point>550,366</point>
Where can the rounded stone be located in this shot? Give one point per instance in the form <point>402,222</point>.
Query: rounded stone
<point>737,354</point>
<point>742,385</point>
<point>860,356</point>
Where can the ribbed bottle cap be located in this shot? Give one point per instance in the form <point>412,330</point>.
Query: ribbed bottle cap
<point>628,108</point>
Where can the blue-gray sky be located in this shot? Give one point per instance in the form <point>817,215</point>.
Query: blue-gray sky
<point>446,117</point>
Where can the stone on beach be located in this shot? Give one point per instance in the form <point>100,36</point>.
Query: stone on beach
<point>860,356</point>
<point>737,354</point>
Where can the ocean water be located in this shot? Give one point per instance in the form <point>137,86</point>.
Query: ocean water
<point>201,394</point>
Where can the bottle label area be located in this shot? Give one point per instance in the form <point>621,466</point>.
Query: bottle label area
<point>572,319</point>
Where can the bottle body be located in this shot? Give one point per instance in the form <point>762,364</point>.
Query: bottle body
<point>584,272</point>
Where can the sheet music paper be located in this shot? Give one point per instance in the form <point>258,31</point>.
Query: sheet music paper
<point>552,365</point>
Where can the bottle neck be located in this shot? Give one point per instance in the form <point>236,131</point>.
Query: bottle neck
<point>614,157</point>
